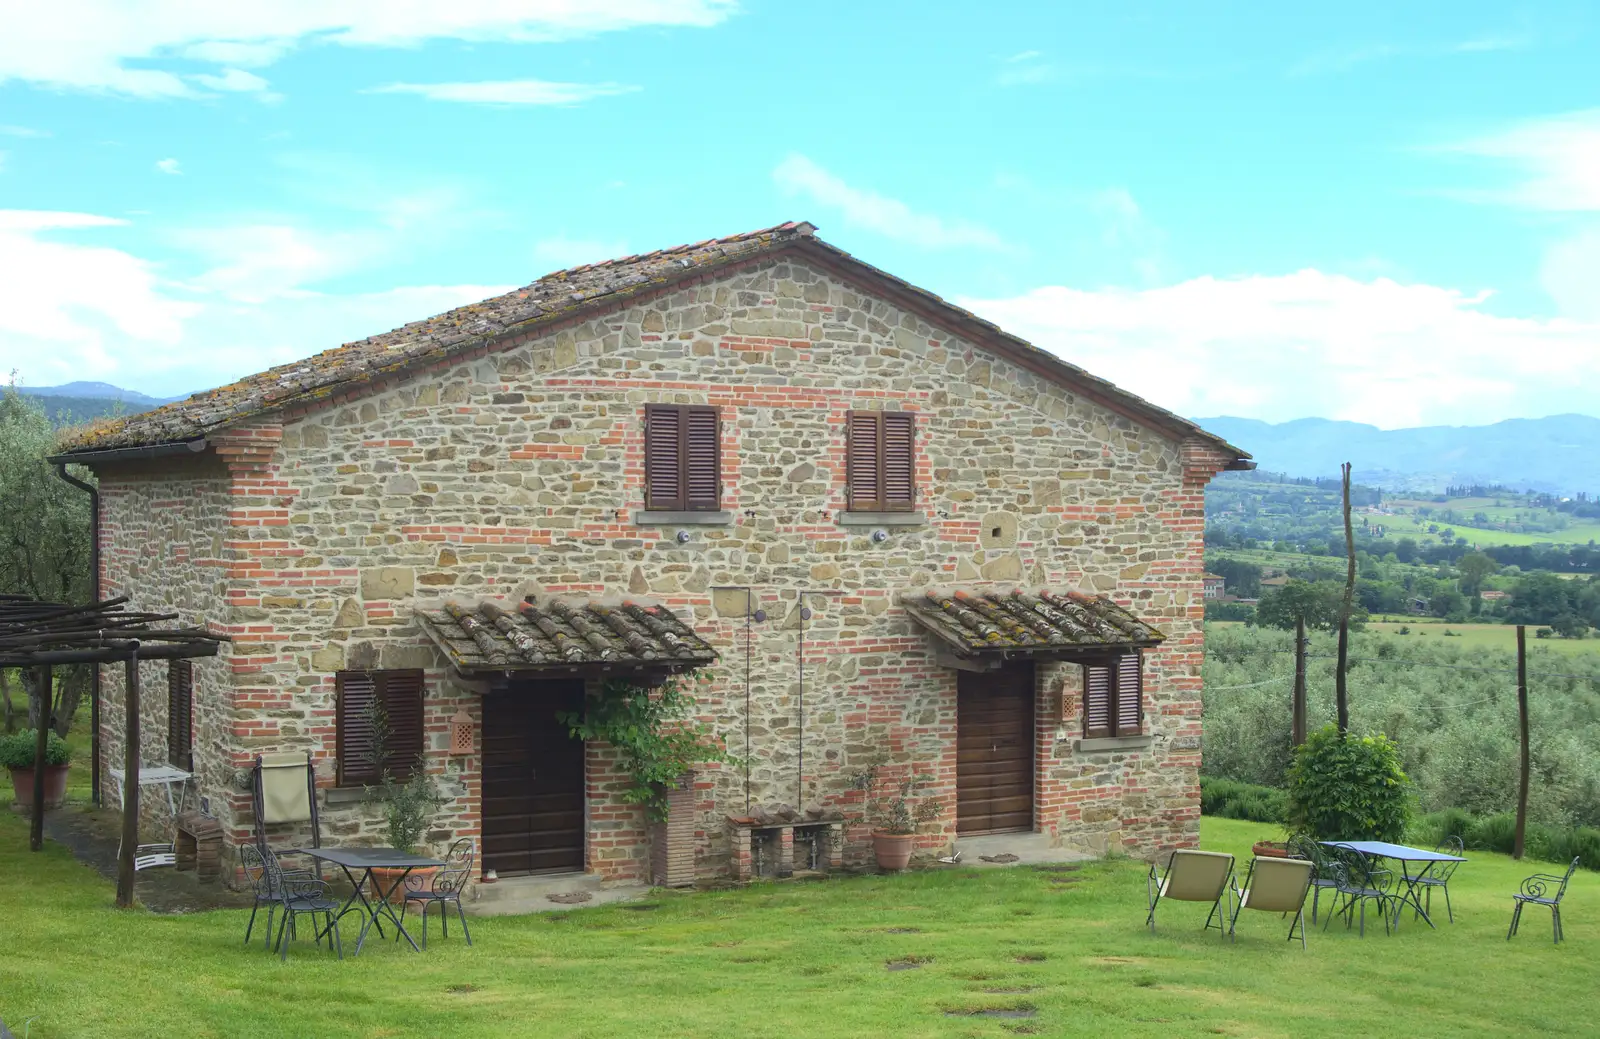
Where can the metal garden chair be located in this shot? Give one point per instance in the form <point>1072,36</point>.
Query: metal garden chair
<point>267,883</point>
<point>1535,891</point>
<point>1358,882</point>
<point>1304,846</point>
<point>1439,876</point>
<point>294,892</point>
<point>1276,885</point>
<point>1192,876</point>
<point>443,889</point>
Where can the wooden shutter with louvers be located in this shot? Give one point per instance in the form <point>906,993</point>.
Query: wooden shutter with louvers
<point>899,461</point>
<point>180,714</point>
<point>863,459</point>
<point>663,457</point>
<point>400,694</point>
<point>1130,695</point>
<point>682,458</point>
<point>1098,694</point>
<point>702,459</point>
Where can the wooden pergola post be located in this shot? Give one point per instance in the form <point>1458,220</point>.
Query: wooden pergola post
<point>42,681</point>
<point>130,781</point>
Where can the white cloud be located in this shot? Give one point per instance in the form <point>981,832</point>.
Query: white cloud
<point>256,263</point>
<point>1558,156</point>
<point>72,311</point>
<point>509,91</point>
<point>798,175</point>
<point>21,131</point>
<point>109,45</point>
<point>1311,343</point>
<point>170,167</point>
<point>1343,59</point>
<point>560,252</point>
<point>235,81</point>
<point>1024,68</point>
<point>62,304</point>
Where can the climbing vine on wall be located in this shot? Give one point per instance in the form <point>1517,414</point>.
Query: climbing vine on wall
<point>654,729</point>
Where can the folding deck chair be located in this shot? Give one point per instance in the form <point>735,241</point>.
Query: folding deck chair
<point>1276,886</point>
<point>1192,876</point>
<point>284,790</point>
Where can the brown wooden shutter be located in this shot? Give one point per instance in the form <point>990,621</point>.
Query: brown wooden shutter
<point>355,692</point>
<point>1097,701</point>
<point>400,693</point>
<point>1130,695</point>
<point>702,476</point>
<point>402,699</point>
<point>899,461</point>
<point>180,714</point>
<point>863,460</point>
<point>663,458</point>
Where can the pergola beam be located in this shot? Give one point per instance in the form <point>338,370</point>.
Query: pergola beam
<point>42,635</point>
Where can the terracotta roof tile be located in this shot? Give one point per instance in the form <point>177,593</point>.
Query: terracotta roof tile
<point>1016,623</point>
<point>564,635</point>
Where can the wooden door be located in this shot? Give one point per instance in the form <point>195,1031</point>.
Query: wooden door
<point>532,780</point>
<point>994,750</point>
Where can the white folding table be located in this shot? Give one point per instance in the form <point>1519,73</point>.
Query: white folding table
<point>165,776</point>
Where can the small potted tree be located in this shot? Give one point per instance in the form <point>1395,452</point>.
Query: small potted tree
<point>895,807</point>
<point>17,755</point>
<point>407,805</point>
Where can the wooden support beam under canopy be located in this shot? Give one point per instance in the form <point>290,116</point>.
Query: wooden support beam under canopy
<point>39,635</point>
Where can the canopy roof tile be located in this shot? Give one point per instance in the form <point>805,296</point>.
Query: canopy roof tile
<point>1016,623</point>
<point>564,635</point>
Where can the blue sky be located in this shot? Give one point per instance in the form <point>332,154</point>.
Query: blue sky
<point>1383,213</point>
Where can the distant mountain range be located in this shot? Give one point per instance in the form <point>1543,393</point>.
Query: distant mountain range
<point>74,402</point>
<point>1559,454</point>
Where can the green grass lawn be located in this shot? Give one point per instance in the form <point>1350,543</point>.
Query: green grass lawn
<point>1492,636</point>
<point>807,959</point>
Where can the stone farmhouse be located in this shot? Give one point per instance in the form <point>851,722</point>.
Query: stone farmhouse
<point>890,529</point>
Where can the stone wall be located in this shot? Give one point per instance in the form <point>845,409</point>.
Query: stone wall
<point>520,470</point>
<point>163,543</point>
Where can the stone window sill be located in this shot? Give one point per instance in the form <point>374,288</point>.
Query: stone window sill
<point>345,795</point>
<point>882,519</point>
<point>1111,743</point>
<point>646,518</point>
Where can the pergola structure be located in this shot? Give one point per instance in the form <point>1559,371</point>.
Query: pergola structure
<point>40,635</point>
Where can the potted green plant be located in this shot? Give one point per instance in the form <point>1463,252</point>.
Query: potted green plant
<point>895,807</point>
<point>407,806</point>
<point>17,755</point>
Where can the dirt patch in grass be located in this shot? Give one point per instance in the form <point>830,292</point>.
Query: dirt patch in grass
<point>461,990</point>
<point>1057,869</point>
<point>1017,991</point>
<point>907,962</point>
<point>1018,1010</point>
<point>1032,957</point>
<point>641,907</point>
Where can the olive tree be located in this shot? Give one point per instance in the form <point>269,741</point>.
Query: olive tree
<point>44,541</point>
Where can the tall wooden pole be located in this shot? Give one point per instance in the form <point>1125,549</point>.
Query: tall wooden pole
<point>130,782</point>
<point>41,679</point>
<point>1297,725</point>
<point>1522,718</point>
<point>1341,697</point>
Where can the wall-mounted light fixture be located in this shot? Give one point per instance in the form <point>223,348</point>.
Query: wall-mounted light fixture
<point>683,537</point>
<point>879,536</point>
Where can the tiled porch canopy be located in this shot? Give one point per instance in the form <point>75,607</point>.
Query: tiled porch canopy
<point>563,636</point>
<point>995,625</point>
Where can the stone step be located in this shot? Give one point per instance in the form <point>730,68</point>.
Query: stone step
<point>515,895</point>
<point>1027,847</point>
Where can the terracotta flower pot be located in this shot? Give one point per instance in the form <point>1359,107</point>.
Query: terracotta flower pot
<point>1271,850</point>
<point>55,784</point>
<point>893,850</point>
<point>383,877</point>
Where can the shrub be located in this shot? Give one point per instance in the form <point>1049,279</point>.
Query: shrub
<point>1348,788</point>
<point>1233,800</point>
<point>1559,844</point>
<point>16,750</point>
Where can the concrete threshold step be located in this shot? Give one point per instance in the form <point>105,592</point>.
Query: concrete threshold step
<point>1013,849</point>
<point>511,896</point>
